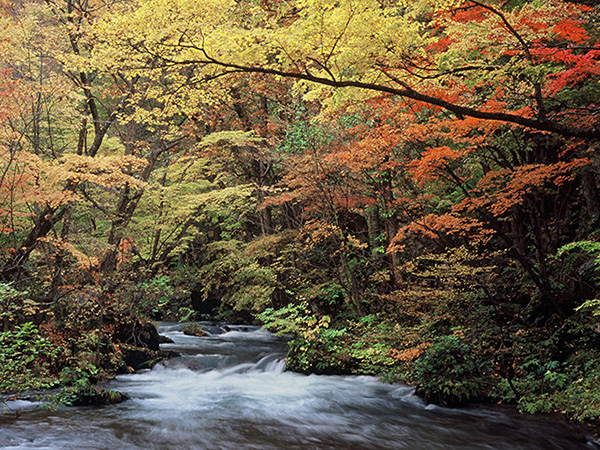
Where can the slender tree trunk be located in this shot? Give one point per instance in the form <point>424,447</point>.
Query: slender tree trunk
<point>375,228</point>
<point>391,229</point>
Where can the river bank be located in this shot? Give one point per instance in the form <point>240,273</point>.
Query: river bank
<point>229,389</point>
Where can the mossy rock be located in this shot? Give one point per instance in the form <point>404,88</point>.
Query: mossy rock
<point>139,357</point>
<point>193,329</point>
<point>90,396</point>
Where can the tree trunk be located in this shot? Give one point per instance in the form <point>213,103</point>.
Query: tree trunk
<point>12,270</point>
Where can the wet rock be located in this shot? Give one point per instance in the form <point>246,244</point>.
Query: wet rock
<point>164,339</point>
<point>187,363</point>
<point>90,396</point>
<point>131,330</point>
<point>137,340</point>
<point>149,336</point>
<point>193,329</point>
<point>138,357</point>
<point>168,354</point>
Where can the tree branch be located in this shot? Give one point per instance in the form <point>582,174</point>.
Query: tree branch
<point>408,92</point>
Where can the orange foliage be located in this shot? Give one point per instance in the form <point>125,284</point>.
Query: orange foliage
<point>433,226</point>
<point>125,247</point>
<point>431,162</point>
<point>409,354</point>
<point>526,179</point>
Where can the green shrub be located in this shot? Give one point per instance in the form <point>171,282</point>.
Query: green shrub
<point>323,352</point>
<point>571,388</point>
<point>449,373</point>
<point>27,359</point>
<point>359,347</point>
<point>16,308</point>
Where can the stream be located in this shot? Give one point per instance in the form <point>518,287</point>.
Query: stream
<point>229,390</point>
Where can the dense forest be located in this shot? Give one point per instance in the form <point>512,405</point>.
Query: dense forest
<point>408,188</point>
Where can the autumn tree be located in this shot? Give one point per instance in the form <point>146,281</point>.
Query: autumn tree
<point>44,36</point>
<point>418,51</point>
<point>116,125</point>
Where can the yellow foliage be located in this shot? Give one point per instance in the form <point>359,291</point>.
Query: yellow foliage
<point>231,138</point>
<point>341,40</point>
<point>60,245</point>
<point>111,171</point>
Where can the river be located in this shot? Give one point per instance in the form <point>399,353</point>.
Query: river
<point>229,390</point>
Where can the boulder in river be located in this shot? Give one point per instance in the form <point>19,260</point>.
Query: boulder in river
<point>193,329</point>
<point>164,339</point>
<point>138,358</point>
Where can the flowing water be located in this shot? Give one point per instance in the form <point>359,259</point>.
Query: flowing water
<point>229,390</point>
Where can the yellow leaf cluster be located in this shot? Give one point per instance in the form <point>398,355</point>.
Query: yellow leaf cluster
<point>112,171</point>
<point>84,261</point>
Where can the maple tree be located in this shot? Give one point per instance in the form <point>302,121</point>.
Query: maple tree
<point>35,58</point>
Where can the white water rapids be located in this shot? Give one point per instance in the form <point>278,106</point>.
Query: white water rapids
<point>229,390</point>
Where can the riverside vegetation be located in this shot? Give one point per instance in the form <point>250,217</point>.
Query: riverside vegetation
<point>409,189</point>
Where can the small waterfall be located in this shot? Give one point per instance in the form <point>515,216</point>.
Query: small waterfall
<point>276,365</point>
